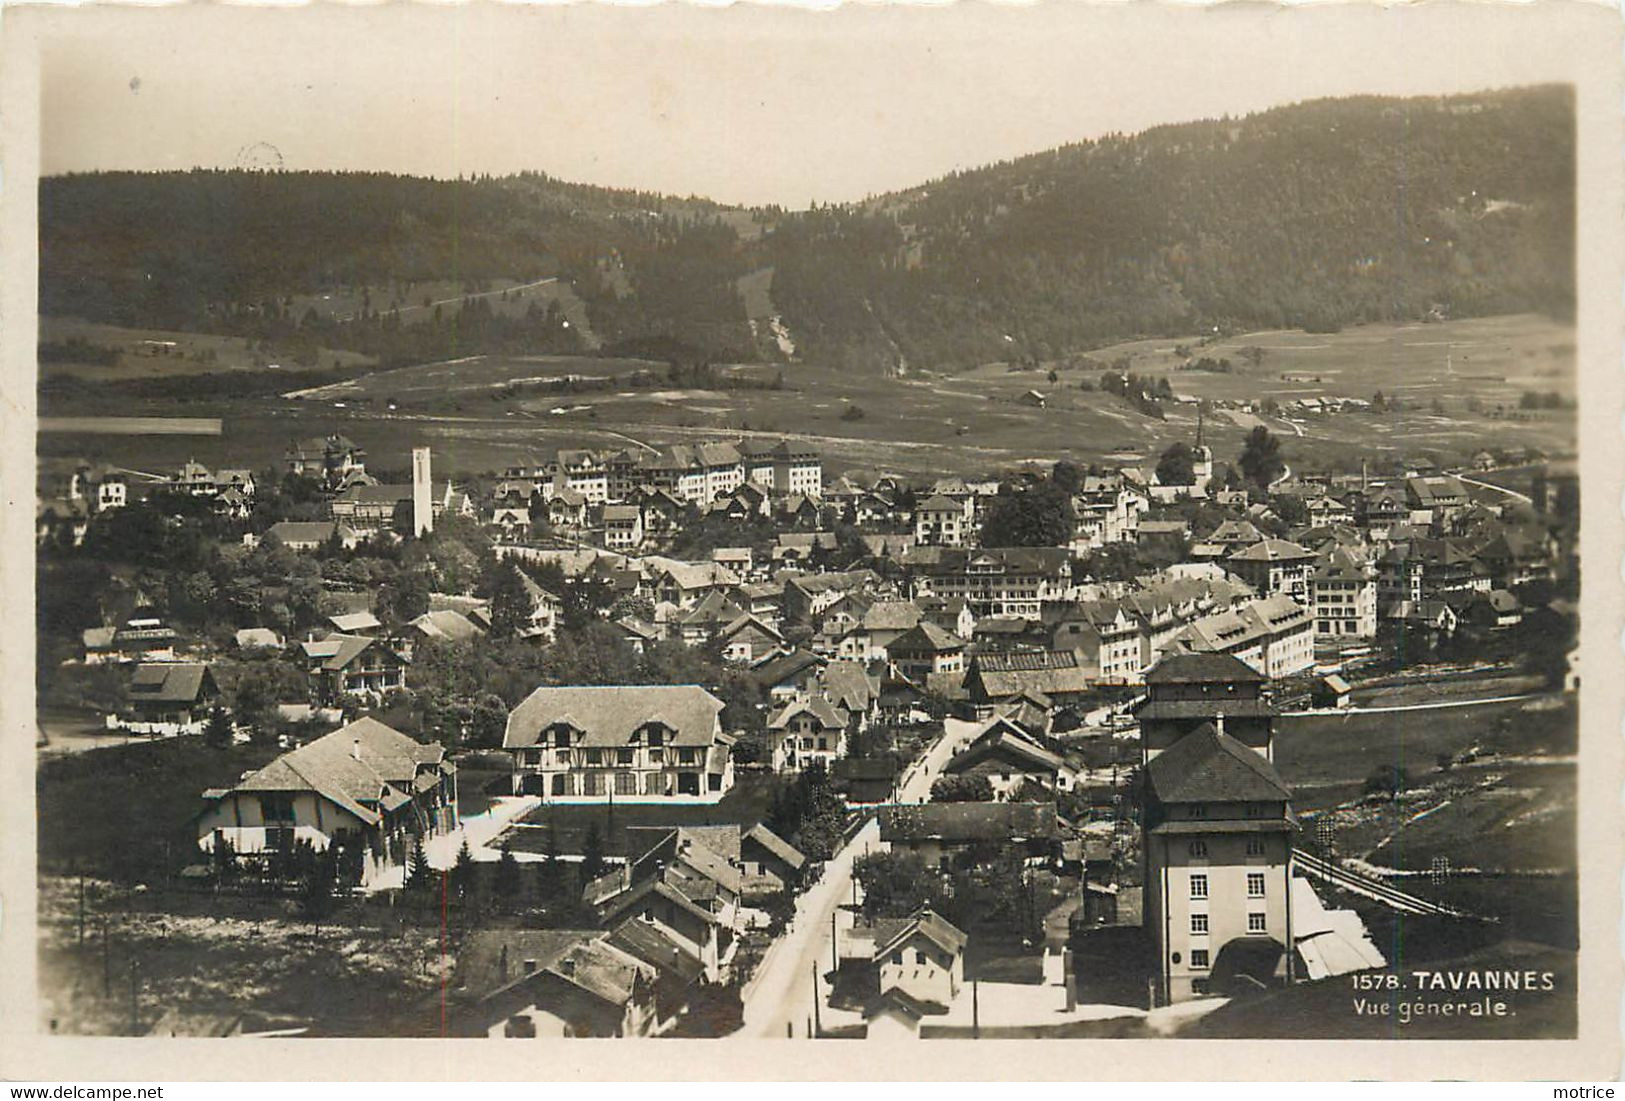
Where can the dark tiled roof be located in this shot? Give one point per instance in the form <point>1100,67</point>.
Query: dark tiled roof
<point>776,845</point>
<point>924,637</point>
<point>649,943</point>
<point>1202,669</point>
<point>1206,766</point>
<point>355,766</point>
<point>168,682</point>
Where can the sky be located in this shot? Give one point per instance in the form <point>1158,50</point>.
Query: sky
<point>742,105</point>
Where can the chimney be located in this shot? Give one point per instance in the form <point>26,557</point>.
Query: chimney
<point>502,965</point>
<point>355,749</point>
<point>422,493</point>
<point>568,965</point>
<point>1218,722</point>
<point>530,966</point>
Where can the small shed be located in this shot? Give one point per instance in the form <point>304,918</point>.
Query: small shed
<point>1330,691</point>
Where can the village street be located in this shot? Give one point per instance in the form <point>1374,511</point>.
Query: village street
<point>780,994</point>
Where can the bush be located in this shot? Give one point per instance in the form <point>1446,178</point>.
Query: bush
<point>962,789</point>
<point>1387,780</point>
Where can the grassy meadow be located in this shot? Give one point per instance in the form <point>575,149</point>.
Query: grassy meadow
<point>924,423</point>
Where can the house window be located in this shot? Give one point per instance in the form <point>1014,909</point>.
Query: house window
<point>1255,884</point>
<point>626,783</point>
<point>1197,810</point>
<point>595,756</point>
<point>1199,886</point>
<point>657,756</point>
<point>1199,924</point>
<point>1257,923</point>
<point>1255,846</point>
<point>623,756</point>
<point>1198,848</point>
<point>558,783</point>
<point>686,756</point>
<point>1199,959</point>
<point>656,735</point>
<point>276,808</point>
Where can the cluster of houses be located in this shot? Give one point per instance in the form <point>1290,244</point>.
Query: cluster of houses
<point>630,499</point>
<point>667,918</point>
<point>667,924</point>
<point>928,616</point>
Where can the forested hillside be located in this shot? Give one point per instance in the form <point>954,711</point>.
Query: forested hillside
<point>1315,215</point>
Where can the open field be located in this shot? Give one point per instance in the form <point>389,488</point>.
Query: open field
<point>1494,358</point>
<point>926,424</point>
<point>155,353</point>
<point>506,297</point>
<point>132,426</point>
<point>444,385</point>
<point>1489,802</point>
<point>1315,752</point>
<point>144,795</point>
<point>207,956</point>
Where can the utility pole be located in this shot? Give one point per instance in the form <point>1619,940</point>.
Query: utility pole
<point>817,1024</point>
<point>107,963</point>
<point>834,959</point>
<point>135,1003</point>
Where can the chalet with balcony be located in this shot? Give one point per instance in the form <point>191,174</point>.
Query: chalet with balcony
<point>365,787</point>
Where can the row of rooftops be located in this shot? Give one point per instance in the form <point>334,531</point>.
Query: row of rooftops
<point>702,456</point>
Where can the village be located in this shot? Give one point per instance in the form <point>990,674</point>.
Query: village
<point>704,740</point>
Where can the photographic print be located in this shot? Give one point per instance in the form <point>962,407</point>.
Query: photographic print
<point>1046,524</point>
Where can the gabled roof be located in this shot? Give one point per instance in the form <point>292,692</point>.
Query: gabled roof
<point>312,531</point>
<point>353,622</point>
<point>781,667</point>
<point>653,946</point>
<point>608,715</point>
<point>1202,669</point>
<point>447,624</point>
<point>1339,566</point>
<point>360,766</point>
<point>169,682</point>
<point>1001,737</point>
<point>775,844</point>
<point>479,964</point>
<point>1236,531</point>
<point>1272,550</point>
<point>930,925</point>
<point>345,649</point>
<point>849,686</point>
<point>891,615</point>
<point>827,714</point>
<point>601,970</point>
<point>939,503</point>
<point>1206,766</point>
<point>925,637</point>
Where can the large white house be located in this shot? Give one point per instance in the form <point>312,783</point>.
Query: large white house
<point>620,743</point>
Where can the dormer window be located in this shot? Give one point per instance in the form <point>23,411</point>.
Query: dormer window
<point>562,736</point>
